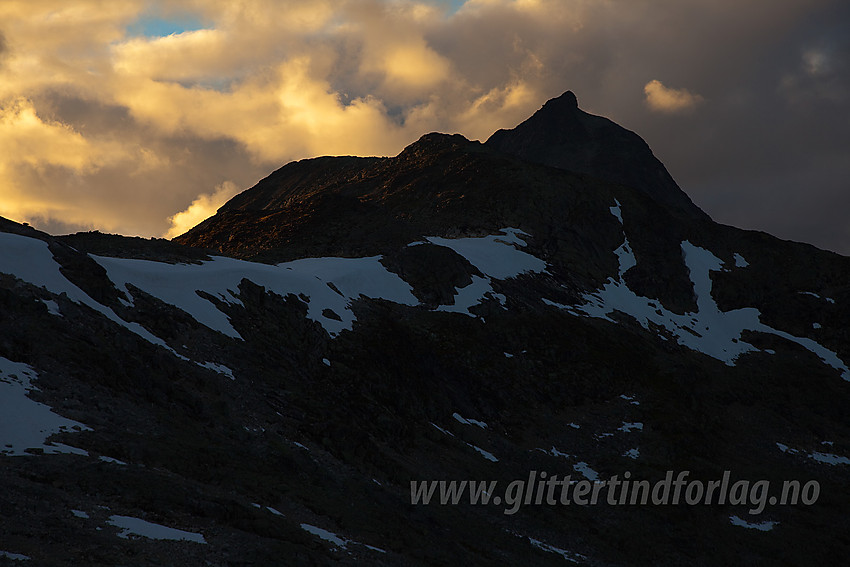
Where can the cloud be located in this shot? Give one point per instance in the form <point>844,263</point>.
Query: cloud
<point>201,209</point>
<point>663,99</point>
<point>26,138</point>
<point>103,128</point>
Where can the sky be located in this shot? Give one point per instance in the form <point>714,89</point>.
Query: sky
<point>142,117</point>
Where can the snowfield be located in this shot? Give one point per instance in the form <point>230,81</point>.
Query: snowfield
<point>25,423</point>
<point>709,330</point>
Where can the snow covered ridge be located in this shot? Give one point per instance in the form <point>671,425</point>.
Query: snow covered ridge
<point>30,260</point>
<point>709,330</point>
<point>330,285</point>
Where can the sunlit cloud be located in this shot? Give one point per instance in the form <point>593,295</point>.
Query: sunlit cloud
<point>201,208</point>
<point>663,99</point>
<point>27,139</point>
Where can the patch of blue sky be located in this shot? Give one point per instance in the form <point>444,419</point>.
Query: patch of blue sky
<point>150,26</point>
<point>452,5</point>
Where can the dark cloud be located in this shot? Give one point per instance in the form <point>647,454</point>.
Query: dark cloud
<point>769,149</point>
<point>56,227</point>
<point>765,149</point>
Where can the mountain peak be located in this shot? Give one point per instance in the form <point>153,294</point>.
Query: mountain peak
<point>562,135</point>
<point>567,100</point>
<point>435,143</point>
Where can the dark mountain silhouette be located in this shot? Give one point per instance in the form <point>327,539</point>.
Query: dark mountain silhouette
<point>562,135</point>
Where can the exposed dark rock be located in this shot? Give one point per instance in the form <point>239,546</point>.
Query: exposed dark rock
<point>263,429</point>
<point>561,135</point>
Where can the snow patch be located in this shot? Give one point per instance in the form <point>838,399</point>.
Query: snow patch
<point>486,454</point>
<point>740,262</point>
<point>631,426</point>
<point>473,294</point>
<point>625,257</point>
<point>494,255</point>
<point>829,458</point>
<point>827,299</point>
<point>335,539</point>
<point>468,421</point>
<point>710,331</point>
<point>586,471</point>
<point>80,514</point>
<point>761,526</point>
<point>52,307</point>
<point>220,368</point>
<point>443,431</point>
<point>551,303</point>
<point>785,449</point>
<point>14,556</point>
<point>568,555</point>
<point>373,548</point>
<point>140,528</point>
<point>632,453</point>
<point>325,535</point>
<point>617,211</point>
<point>25,423</point>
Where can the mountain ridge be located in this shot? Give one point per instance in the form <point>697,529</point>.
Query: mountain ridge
<point>272,382</point>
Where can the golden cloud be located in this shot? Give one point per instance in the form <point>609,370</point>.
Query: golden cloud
<point>101,127</point>
<point>663,99</point>
<point>26,138</point>
<point>201,209</point>
<point>414,66</point>
<point>271,80</point>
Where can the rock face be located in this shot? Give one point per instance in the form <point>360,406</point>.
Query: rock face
<point>265,389</point>
<point>562,135</point>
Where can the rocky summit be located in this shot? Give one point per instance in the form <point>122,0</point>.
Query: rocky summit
<point>530,351</point>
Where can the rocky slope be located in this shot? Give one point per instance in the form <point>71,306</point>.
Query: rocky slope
<point>263,390</point>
